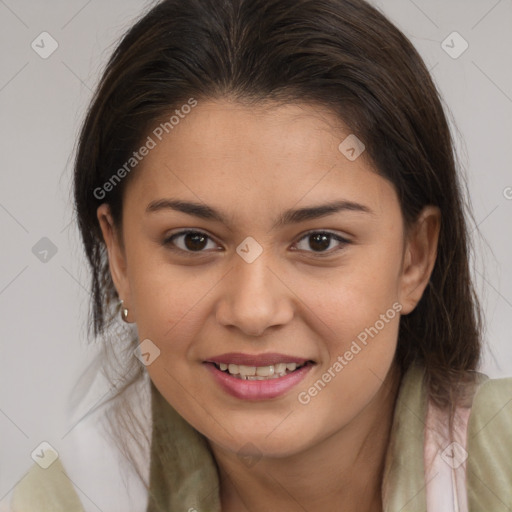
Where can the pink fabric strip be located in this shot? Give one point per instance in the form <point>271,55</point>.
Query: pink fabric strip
<point>445,461</point>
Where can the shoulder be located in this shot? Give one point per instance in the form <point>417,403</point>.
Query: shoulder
<point>492,401</point>
<point>41,490</point>
<point>489,447</point>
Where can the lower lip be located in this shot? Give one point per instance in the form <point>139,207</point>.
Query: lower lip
<point>258,389</point>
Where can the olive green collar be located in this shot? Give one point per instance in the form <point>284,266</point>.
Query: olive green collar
<point>403,485</point>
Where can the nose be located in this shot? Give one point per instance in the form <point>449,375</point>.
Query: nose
<point>254,297</point>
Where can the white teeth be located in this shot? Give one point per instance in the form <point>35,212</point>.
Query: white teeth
<point>265,371</point>
<point>246,370</point>
<point>273,371</point>
<point>280,367</point>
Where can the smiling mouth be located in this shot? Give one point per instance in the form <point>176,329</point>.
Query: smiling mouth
<point>274,371</point>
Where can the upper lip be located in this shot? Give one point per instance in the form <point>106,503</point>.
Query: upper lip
<point>256,359</point>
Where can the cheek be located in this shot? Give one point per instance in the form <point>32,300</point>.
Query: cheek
<point>355,295</point>
<point>170,315</point>
<point>361,310</point>
<point>166,297</point>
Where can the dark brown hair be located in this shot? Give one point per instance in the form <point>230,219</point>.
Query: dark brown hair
<point>341,54</point>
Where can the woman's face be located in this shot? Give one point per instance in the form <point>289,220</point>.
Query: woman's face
<point>270,274</point>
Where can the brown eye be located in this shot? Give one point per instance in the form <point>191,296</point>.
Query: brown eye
<point>320,241</point>
<point>189,241</point>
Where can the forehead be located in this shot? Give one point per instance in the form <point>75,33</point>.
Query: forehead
<point>246,155</point>
<point>271,131</point>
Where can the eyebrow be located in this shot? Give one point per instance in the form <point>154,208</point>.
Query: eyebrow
<point>291,216</point>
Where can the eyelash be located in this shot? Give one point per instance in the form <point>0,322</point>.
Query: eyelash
<point>168,242</point>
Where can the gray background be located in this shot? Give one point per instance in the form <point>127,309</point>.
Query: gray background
<point>44,296</point>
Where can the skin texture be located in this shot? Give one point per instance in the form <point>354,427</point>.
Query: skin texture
<point>252,164</point>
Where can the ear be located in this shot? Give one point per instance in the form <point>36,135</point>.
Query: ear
<point>116,253</point>
<point>419,257</point>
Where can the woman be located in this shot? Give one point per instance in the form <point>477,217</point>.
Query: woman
<point>267,191</point>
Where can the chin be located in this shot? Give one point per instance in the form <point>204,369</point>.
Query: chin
<point>258,443</point>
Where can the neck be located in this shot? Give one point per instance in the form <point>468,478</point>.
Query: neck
<point>342,472</point>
